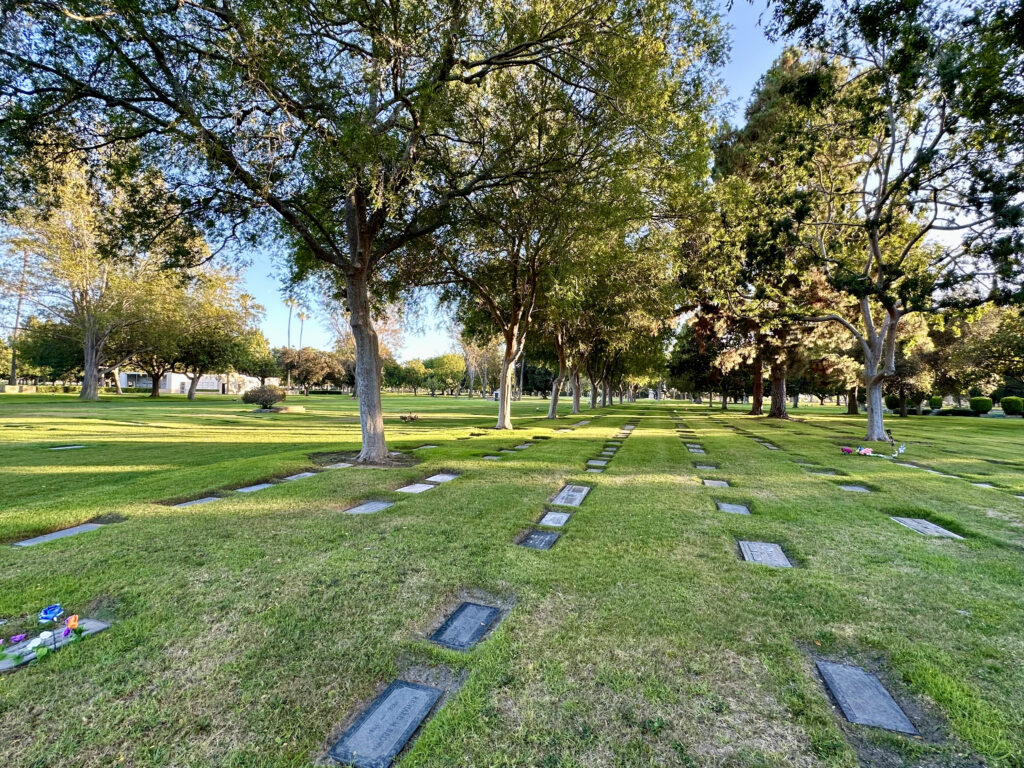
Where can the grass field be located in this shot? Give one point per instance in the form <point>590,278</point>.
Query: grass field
<point>249,631</point>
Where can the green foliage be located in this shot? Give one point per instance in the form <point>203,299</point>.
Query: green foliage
<point>981,404</point>
<point>1012,406</point>
<point>893,402</point>
<point>935,401</point>
<point>264,396</point>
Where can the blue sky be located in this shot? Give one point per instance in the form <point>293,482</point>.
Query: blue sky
<point>752,54</point>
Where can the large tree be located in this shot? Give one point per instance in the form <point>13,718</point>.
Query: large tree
<point>353,128</point>
<point>922,196</point>
<point>72,260</point>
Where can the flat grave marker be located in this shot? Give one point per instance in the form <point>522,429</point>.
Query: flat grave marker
<point>855,488</point>
<point>716,483</point>
<point>254,488</point>
<point>424,447</point>
<point>523,447</point>
<point>925,527</point>
<point>699,451</point>
<point>764,553</point>
<point>983,485</point>
<point>506,450</point>
<point>705,466</point>
<point>88,626</point>
<point>563,429</point>
<point>539,540</point>
<point>74,531</point>
<point>735,509</point>
<point>597,462</point>
<point>614,442</point>
<point>555,519</point>
<point>415,488</point>
<point>300,476</point>
<point>862,697</point>
<point>369,507</point>
<point>466,626</point>
<point>442,477</point>
<point>339,465</point>
<point>66,447</point>
<point>491,458</point>
<point>823,472</point>
<point>380,733</point>
<point>571,495</point>
<point>594,470</point>
<point>195,502</point>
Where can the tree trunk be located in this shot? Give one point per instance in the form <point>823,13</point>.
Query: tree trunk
<point>117,380</point>
<point>508,369</point>
<point>796,399</point>
<point>556,385</point>
<point>778,393</point>
<point>593,392</point>
<point>574,381</point>
<point>757,401</point>
<point>876,424</point>
<point>92,351</point>
<point>193,385</point>
<point>154,383</point>
<point>522,377</point>
<point>851,402</point>
<point>368,368</point>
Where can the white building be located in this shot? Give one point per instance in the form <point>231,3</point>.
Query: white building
<point>178,383</point>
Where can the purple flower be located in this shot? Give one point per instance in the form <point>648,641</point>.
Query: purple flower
<point>17,638</point>
<point>66,632</point>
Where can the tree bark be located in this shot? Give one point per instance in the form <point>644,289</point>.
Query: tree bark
<point>92,351</point>
<point>193,385</point>
<point>368,369</point>
<point>556,385</point>
<point>593,392</point>
<point>508,369</point>
<point>796,399</point>
<point>725,402</point>
<point>574,380</point>
<point>851,402</point>
<point>117,380</point>
<point>778,392</point>
<point>757,405</point>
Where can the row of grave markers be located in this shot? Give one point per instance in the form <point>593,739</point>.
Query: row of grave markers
<point>597,464</point>
<point>383,730</point>
<point>860,695</point>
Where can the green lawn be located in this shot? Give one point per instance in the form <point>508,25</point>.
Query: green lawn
<point>248,631</point>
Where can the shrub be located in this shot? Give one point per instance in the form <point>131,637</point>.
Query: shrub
<point>1012,406</point>
<point>892,402</point>
<point>264,396</point>
<point>957,412</point>
<point>981,404</point>
<point>935,401</point>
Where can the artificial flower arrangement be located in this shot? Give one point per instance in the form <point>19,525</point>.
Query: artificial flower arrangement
<point>868,452</point>
<point>45,642</point>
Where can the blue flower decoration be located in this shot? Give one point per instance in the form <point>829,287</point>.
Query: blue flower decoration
<point>50,613</point>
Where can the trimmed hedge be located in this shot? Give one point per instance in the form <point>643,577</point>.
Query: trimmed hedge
<point>935,401</point>
<point>1012,406</point>
<point>892,402</point>
<point>981,404</point>
<point>958,412</point>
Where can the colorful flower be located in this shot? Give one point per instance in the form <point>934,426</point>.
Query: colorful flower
<point>72,621</point>
<point>66,632</point>
<point>17,638</point>
<point>50,613</point>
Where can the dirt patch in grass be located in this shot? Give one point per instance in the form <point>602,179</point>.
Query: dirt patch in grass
<point>394,461</point>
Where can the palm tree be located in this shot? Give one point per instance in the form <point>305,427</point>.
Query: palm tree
<point>302,322</point>
<point>291,303</point>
